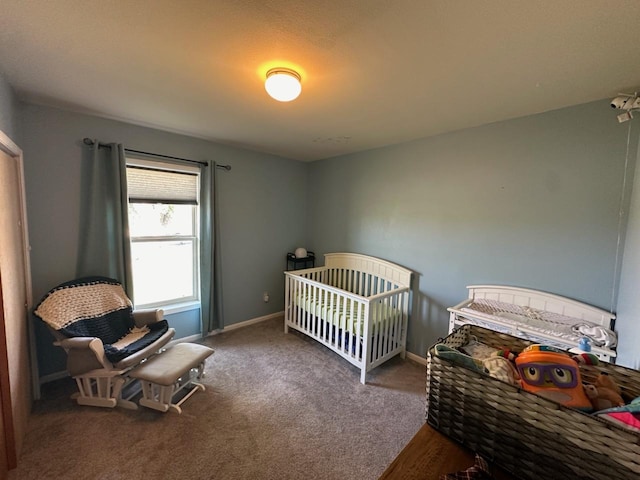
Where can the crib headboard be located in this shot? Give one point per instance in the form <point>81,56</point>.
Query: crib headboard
<point>542,301</point>
<point>372,265</point>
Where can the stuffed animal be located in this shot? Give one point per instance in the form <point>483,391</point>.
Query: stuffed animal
<point>552,374</point>
<point>606,381</point>
<point>605,393</point>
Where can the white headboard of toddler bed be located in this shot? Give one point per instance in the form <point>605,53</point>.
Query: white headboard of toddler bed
<point>371,265</point>
<point>542,301</point>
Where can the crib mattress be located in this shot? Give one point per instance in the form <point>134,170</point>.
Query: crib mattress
<point>348,315</point>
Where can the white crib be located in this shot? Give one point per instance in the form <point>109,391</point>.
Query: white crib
<point>356,305</point>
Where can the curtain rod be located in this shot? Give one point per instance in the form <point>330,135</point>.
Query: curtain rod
<point>88,141</point>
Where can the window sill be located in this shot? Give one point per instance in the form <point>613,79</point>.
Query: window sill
<point>179,307</point>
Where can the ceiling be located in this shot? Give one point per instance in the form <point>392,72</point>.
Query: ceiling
<point>374,72</point>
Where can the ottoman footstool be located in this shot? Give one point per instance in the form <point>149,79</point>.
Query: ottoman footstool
<point>164,375</point>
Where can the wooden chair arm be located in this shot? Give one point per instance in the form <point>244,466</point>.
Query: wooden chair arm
<point>147,317</point>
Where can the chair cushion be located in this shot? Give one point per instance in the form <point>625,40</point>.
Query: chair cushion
<point>135,340</point>
<point>97,307</point>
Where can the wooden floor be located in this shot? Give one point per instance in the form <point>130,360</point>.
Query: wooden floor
<point>429,455</point>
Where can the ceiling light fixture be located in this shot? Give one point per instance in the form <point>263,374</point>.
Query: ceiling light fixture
<point>283,84</point>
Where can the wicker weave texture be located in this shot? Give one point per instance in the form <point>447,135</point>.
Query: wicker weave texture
<point>525,434</point>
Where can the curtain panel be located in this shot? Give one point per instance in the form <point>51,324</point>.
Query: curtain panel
<point>104,246</point>
<point>210,255</point>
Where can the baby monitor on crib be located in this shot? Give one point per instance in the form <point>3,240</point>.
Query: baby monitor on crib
<point>552,374</point>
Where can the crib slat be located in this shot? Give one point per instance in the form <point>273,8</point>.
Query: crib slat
<point>397,322</point>
<point>370,333</point>
<point>305,292</point>
<point>299,296</point>
<point>302,300</point>
<point>314,310</point>
<point>361,342</point>
<point>329,319</point>
<point>296,299</point>
<point>345,328</point>
<point>354,331</point>
<point>381,329</point>
<point>323,301</point>
<point>338,321</point>
<point>348,285</point>
<point>345,325</point>
<point>388,321</point>
<point>287,305</point>
<point>384,323</point>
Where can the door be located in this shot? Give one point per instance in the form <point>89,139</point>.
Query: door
<point>15,299</point>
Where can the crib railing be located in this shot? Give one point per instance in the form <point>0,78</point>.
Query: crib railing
<point>358,315</point>
<point>354,281</point>
<point>388,332</point>
<point>315,316</point>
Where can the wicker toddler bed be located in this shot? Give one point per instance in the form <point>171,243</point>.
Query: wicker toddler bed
<point>530,436</point>
<point>356,305</point>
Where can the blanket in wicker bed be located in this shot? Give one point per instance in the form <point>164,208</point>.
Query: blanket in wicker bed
<point>98,307</point>
<point>551,323</point>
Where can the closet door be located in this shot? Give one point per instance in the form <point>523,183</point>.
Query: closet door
<point>15,387</point>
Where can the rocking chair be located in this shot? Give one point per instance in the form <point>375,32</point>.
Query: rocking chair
<point>93,320</point>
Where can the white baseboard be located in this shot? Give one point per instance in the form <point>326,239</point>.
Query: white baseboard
<point>417,358</point>
<point>53,377</point>
<point>246,323</point>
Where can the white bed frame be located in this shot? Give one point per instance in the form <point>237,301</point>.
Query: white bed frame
<point>524,297</point>
<point>365,287</point>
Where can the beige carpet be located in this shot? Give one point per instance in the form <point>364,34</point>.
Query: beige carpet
<point>276,407</point>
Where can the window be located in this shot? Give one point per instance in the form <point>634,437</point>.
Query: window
<point>164,228</point>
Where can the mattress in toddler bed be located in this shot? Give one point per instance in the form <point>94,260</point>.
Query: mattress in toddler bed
<point>564,328</point>
<point>347,311</point>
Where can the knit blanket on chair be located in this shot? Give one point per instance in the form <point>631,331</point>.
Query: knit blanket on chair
<point>97,307</point>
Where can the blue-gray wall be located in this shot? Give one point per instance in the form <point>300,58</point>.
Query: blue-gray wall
<point>532,202</point>
<point>262,203</point>
<point>7,109</point>
<point>628,321</point>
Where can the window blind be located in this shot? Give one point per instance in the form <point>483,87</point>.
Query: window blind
<point>149,185</point>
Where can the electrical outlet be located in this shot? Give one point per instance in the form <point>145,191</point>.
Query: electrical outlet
<point>265,297</point>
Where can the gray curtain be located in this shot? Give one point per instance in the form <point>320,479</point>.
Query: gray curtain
<point>210,264</point>
<point>104,221</point>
